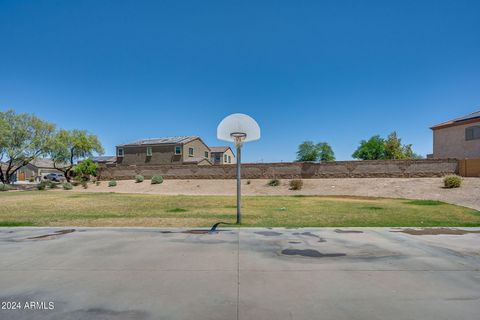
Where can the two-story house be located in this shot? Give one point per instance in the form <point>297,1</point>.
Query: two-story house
<point>457,138</point>
<point>171,150</point>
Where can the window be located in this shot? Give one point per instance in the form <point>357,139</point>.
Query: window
<point>178,150</point>
<point>225,158</point>
<point>120,152</point>
<point>149,151</point>
<point>229,159</point>
<point>472,133</point>
<point>190,152</point>
<point>206,154</point>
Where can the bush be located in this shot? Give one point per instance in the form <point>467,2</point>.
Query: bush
<point>85,169</point>
<point>139,178</point>
<point>112,183</point>
<point>52,185</point>
<point>273,183</point>
<point>97,183</point>
<point>296,184</point>
<point>42,185</point>
<point>4,187</point>
<point>67,186</point>
<point>76,182</point>
<point>85,184</point>
<point>249,182</point>
<point>452,181</point>
<point>157,179</point>
<point>31,179</point>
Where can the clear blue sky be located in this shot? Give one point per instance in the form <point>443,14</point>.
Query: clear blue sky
<point>335,71</point>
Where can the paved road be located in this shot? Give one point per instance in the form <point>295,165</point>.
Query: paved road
<point>276,274</point>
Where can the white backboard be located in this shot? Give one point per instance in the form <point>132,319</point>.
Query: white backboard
<point>238,123</point>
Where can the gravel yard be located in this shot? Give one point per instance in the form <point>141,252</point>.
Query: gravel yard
<point>412,188</point>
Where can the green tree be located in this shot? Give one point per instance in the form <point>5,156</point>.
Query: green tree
<point>86,169</point>
<point>23,138</point>
<point>69,146</point>
<point>394,148</point>
<point>309,151</point>
<point>377,148</point>
<point>371,149</point>
<point>325,152</point>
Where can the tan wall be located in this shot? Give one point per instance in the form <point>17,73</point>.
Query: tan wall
<point>450,142</point>
<point>337,169</point>
<point>137,155</point>
<point>199,149</point>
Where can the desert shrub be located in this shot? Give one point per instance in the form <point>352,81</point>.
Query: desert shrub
<point>4,187</point>
<point>97,183</point>
<point>31,179</point>
<point>452,181</point>
<point>273,183</point>
<point>67,186</point>
<point>112,183</point>
<point>85,184</point>
<point>52,185</point>
<point>157,179</point>
<point>296,184</point>
<point>249,182</point>
<point>139,178</point>
<point>42,185</point>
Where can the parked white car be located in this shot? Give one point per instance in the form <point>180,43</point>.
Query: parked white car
<point>57,177</point>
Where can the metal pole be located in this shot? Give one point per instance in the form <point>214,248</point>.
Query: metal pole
<point>239,218</point>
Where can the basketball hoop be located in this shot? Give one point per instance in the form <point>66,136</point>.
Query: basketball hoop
<point>238,128</point>
<point>238,137</point>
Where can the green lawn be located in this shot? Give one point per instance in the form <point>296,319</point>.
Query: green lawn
<point>69,208</point>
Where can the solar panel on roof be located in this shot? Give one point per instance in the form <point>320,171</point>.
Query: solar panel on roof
<point>468,116</point>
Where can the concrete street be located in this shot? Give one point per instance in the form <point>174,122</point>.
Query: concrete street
<point>314,273</point>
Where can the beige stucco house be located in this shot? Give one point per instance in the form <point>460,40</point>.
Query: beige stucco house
<point>222,155</point>
<point>36,170</point>
<point>458,138</point>
<point>171,150</point>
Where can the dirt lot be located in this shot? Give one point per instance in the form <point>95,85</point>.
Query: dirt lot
<point>413,188</point>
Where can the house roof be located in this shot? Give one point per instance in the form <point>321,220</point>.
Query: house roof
<point>156,141</point>
<point>104,159</point>
<point>219,149</point>
<point>42,163</point>
<point>469,118</point>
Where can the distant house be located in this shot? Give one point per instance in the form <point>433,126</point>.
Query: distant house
<point>36,170</point>
<point>171,150</point>
<point>458,138</point>
<point>222,155</point>
<point>104,159</point>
